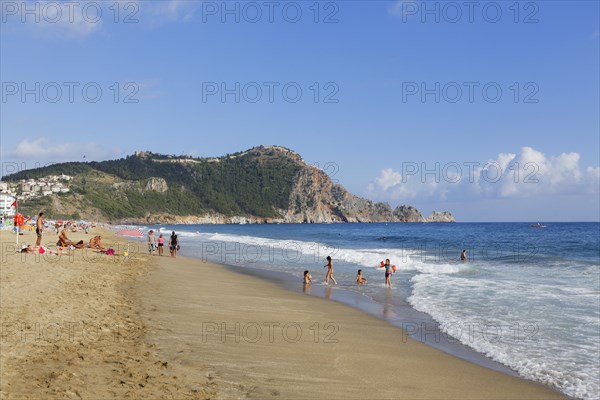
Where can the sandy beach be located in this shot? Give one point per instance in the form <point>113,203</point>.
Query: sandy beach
<point>89,326</point>
<point>71,326</point>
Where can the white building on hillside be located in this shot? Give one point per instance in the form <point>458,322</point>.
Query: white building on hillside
<point>5,201</point>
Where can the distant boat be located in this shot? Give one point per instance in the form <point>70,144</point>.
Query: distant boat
<point>538,225</point>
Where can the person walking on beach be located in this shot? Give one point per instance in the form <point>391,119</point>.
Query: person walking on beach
<point>173,244</point>
<point>388,272</point>
<point>39,226</point>
<point>463,256</point>
<point>161,244</point>
<point>151,242</point>
<point>329,274</point>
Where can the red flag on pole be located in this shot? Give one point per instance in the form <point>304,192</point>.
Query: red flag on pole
<point>14,204</point>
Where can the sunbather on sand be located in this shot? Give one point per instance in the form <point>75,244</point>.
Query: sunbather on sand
<point>27,249</point>
<point>41,249</point>
<point>96,244</point>
<point>66,242</point>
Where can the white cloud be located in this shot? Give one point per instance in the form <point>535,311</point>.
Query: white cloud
<point>80,19</point>
<point>528,173</point>
<point>160,12</point>
<point>401,8</point>
<point>72,19</point>
<point>388,178</point>
<point>392,185</point>
<point>42,151</point>
<point>533,173</point>
<point>148,90</point>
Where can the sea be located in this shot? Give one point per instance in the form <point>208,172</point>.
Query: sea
<point>526,301</point>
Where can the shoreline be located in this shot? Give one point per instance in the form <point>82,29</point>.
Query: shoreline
<point>207,316</point>
<point>422,327</point>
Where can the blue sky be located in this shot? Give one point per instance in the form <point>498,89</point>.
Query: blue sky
<point>390,90</point>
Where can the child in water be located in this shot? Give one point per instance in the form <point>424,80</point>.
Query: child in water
<point>329,274</point>
<point>307,278</point>
<point>359,278</point>
<point>388,272</point>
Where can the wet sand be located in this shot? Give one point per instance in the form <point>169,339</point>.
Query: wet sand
<point>253,339</point>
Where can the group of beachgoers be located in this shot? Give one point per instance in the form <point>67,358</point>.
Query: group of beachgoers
<point>63,240</point>
<point>154,244</point>
<point>158,244</point>
<point>359,279</point>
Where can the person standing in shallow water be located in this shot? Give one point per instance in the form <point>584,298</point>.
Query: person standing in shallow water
<point>173,244</point>
<point>388,272</point>
<point>329,274</point>
<point>463,256</point>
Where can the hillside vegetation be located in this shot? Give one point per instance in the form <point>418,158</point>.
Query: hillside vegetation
<point>257,182</point>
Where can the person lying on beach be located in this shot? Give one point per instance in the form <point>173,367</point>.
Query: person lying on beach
<point>307,278</point>
<point>27,249</point>
<point>41,249</point>
<point>66,242</point>
<point>359,278</point>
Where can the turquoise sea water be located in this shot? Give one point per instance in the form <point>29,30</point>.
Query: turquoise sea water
<point>528,298</point>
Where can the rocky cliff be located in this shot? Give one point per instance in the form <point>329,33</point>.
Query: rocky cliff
<point>316,199</point>
<point>408,214</point>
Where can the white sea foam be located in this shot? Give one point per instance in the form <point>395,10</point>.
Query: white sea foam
<point>549,341</point>
<point>404,259</point>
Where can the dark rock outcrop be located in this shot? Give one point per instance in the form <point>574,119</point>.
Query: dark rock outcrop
<point>407,213</point>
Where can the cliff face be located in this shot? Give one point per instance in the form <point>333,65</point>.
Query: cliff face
<point>316,199</point>
<point>157,185</point>
<point>408,214</point>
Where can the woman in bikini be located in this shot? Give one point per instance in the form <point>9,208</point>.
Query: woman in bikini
<point>329,274</point>
<point>161,244</point>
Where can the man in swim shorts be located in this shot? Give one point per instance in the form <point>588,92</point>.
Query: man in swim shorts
<point>39,225</point>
